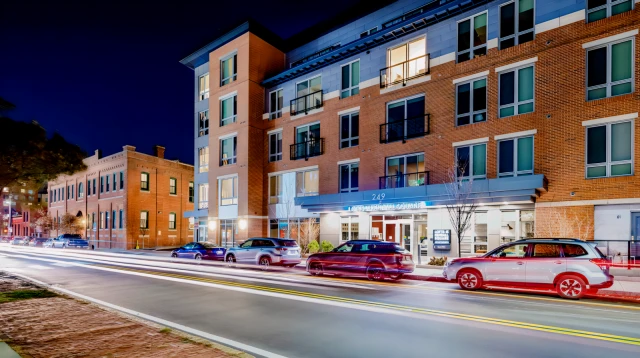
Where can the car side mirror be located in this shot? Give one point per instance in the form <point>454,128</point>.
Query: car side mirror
<point>503,254</point>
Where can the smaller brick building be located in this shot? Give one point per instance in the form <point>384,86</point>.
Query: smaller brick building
<point>127,199</point>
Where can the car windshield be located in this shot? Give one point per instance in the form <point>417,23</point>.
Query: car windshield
<point>288,243</point>
<point>209,245</point>
<point>603,256</point>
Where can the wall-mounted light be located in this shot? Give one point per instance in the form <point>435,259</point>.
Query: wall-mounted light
<point>212,225</point>
<point>242,224</point>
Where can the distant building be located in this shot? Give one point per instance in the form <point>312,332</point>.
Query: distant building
<point>127,199</point>
<point>24,201</point>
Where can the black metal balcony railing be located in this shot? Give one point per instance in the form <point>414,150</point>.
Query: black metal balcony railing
<point>308,149</point>
<point>306,103</point>
<point>404,129</point>
<point>404,180</point>
<point>405,71</point>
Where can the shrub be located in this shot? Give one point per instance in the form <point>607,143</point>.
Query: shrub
<point>437,261</point>
<point>326,246</point>
<point>313,247</point>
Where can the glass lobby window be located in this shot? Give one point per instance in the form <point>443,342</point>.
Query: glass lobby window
<point>349,228</point>
<point>229,191</point>
<point>276,101</point>
<point>228,110</point>
<point>203,159</point>
<point>275,147</point>
<point>515,157</point>
<point>471,161</point>
<point>516,23</point>
<point>609,150</point>
<point>407,61</point>
<point>203,123</point>
<point>610,69</point>
<point>203,86</point>
<point>527,224</point>
<point>275,189</point>
<point>349,130</point>
<point>228,232</point>
<point>471,102</point>
<point>405,118</point>
<point>228,68</point>
<point>307,183</point>
<point>472,37</point>
<point>600,9</point>
<point>349,177</point>
<point>406,170</point>
<point>516,92</point>
<point>203,196</point>
<point>350,79</point>
<point>228,151</point>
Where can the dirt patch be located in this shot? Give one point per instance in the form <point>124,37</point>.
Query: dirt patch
<point>63,327</point>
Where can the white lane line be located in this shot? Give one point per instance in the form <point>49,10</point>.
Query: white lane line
<point>195,332</point>
<point>64,264</point>
<point>40,267</point>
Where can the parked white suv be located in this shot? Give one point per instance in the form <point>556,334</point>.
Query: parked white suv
<point>570,267</point>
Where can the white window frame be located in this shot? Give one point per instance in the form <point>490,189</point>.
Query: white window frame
<point>172,221</point>
<point>275,157</point>
<point>304,186</point>
<point>233,200</point>
<point>234,72</point>
<point>307,102</point>
<point>349,90</point>
<point>471,47</point>
<point>276,199</point>
<point>351,137</point>
<point>516,32</point>
<point>608,162</point>
<point>203,196</point>
<point>516,103</point>
<point>349,220</point>
<point>175,186</point>
<point>203,92</point>
<point>144,216</point>
<point>231,119</point>
<point>203,118</point>
<point>609,5</point>
<point>349,166</point>
<point>515,172</point>
<point>233,159</point>
<point>470,168</point>
<point>471,112</point>
<point>609,84</point>
<point>203,159</point>
<point>276,112</point>
<point>405,156</point>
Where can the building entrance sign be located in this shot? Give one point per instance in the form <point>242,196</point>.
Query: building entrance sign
<point>389,207</point>
<point>441,239</point>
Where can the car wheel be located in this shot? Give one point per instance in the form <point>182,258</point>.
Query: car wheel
<point>264,262</point>
<point>175,256</point>
<point>315,269</point>
<point>470,280</point>
<point>230,259</point>
<point>198,257</point>
<point>571,287</point>
<point>375,272</point>
<point>396,276</point>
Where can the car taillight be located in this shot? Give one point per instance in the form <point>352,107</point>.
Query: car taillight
<point>399,258</point>
<point>602,263</point>
<point>283,249</point>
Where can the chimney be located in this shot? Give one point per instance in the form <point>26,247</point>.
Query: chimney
<point>129,148</point>
<point>98,154</point>
<point>158,151</point>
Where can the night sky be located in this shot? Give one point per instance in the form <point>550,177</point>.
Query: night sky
<point>106,73</point>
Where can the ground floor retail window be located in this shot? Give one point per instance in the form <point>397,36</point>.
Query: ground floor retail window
<point>349,228</point>
<point>228,232</point>
<point>516,225</point>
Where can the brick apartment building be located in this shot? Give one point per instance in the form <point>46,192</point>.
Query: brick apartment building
<point>359,128</point>
<point>24,202</point>
<point>127,199</point>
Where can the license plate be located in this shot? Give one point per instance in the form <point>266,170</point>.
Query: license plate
<point>218,252</point>
<point>293,252</point>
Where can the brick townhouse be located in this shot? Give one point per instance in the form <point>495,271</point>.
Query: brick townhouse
<point>127,199</point>
<point>534,101</point>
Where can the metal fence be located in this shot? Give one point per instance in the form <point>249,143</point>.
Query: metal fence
<point>620,252</point>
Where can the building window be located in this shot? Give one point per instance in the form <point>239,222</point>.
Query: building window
<point>228,108</point>
<point>106,178</point>
<point>275,146</point>
<point>610,150</point>
<point>172,221</point>
<point>516,23</point>
<point>144,181</point>
<point>350,79</point>
<point>276,100</point>
<point>203,123</point>
<point>516,89</point>
<point>471,161</point>
<point>349,130</point>
<point>115,185</point>
<point>94,186</point>
<point>405,119</point>
<point>144,219</point>
<point>93,220</point>
<point>203,159</point>
<point>228,68</point>
<point>406,61</point>
<point>203,86</point>
<point>121,221</point>
<point>173,186</point>
<point>113,220</point>
<point>308,95</point>
<point>102,224</point>
<point>121,180</point>
<point>307,142</point>
<point>101,185</point>
<point>228,232</point>
<point>515,157</point>
<point>369,32</point>
<point>203,196</point>
<point>307,183</point>
<point>610,69</point>
<point>349,228</point>
<point>471,102</point>
<point>472,37</point>
<point>228,151</point>
<point>73,191</point>
<point>600,9</point>
<point>229,191</point>
<point>191,194</point>
<point>403,171</point>
<point>349,177</point>
<point>80,190</point>
<point>275,189</point>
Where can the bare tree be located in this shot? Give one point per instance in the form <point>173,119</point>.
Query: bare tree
<point>70,224</point>
<point>563,223</point>
<point>460,204</point>
<point>284,206</point>
<point>43,223</point>
<point>309,231</point>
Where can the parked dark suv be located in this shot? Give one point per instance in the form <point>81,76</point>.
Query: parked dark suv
<point>375,259</point>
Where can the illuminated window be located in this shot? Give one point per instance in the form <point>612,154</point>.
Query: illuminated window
<point>203,86</point>
<point>228,69</point>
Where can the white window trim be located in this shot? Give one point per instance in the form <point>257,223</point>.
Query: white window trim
<point>522,63</point>
<point>515,171</point>
<point>607,6</point>
<point>613,38</point>
<point>352,87</point>
<point>471,77</point>
<point>465,143</point>
<point>228,54</point>
<point>349,110</point>
<point>608,163</point>
<point>516,33</point>
<point>228,95</point>
<point>471,112</point>
<point>304,186</point>
<point>277,112</point>
<point>470,168</point>
<point>233,117</point>
<point>234,199</point>
<point>275,130</point>
<point>516,134</point>
<point>620,118</point>
<point>303,169</point>
<point>228,135</point>
<point>350,190</point>
<point>516,103</point>
<point>203,94</point>
<point>349,161</point>
<point>471,47</point>
<point>608,84</point>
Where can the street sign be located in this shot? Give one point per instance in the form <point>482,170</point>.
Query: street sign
<point>442,239</point>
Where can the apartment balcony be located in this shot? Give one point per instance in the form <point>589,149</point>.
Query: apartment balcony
<point>203,205</point>
<point>306,103</point>
<point>404,129</point>
<point>404,180</point>
<point>308,149</point>
<point>402,72</point>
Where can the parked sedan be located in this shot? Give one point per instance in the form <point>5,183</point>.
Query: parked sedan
<point>265,251</point>
<point>200,251</point>
<point>38,242</point>
<point>18,240</point>
<point>375,259</point>
<point>63,240</point>
<point>6,239</point>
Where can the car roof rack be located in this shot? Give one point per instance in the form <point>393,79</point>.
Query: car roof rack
<point>552,238</point>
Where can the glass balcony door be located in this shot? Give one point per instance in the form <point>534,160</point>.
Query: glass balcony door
<point>404,60</point>
<point>309,135</point>
<point>405,171</point>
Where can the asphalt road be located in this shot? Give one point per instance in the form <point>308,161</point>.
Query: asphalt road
<point>294,315</point>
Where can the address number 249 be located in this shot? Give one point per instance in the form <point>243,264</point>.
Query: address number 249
<point>377,196</point>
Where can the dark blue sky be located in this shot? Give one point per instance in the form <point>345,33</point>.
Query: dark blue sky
<point>106,73</point>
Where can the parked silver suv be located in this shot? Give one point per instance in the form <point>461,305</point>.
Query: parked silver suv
<point>265,251</point>
<point>570,267</point>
